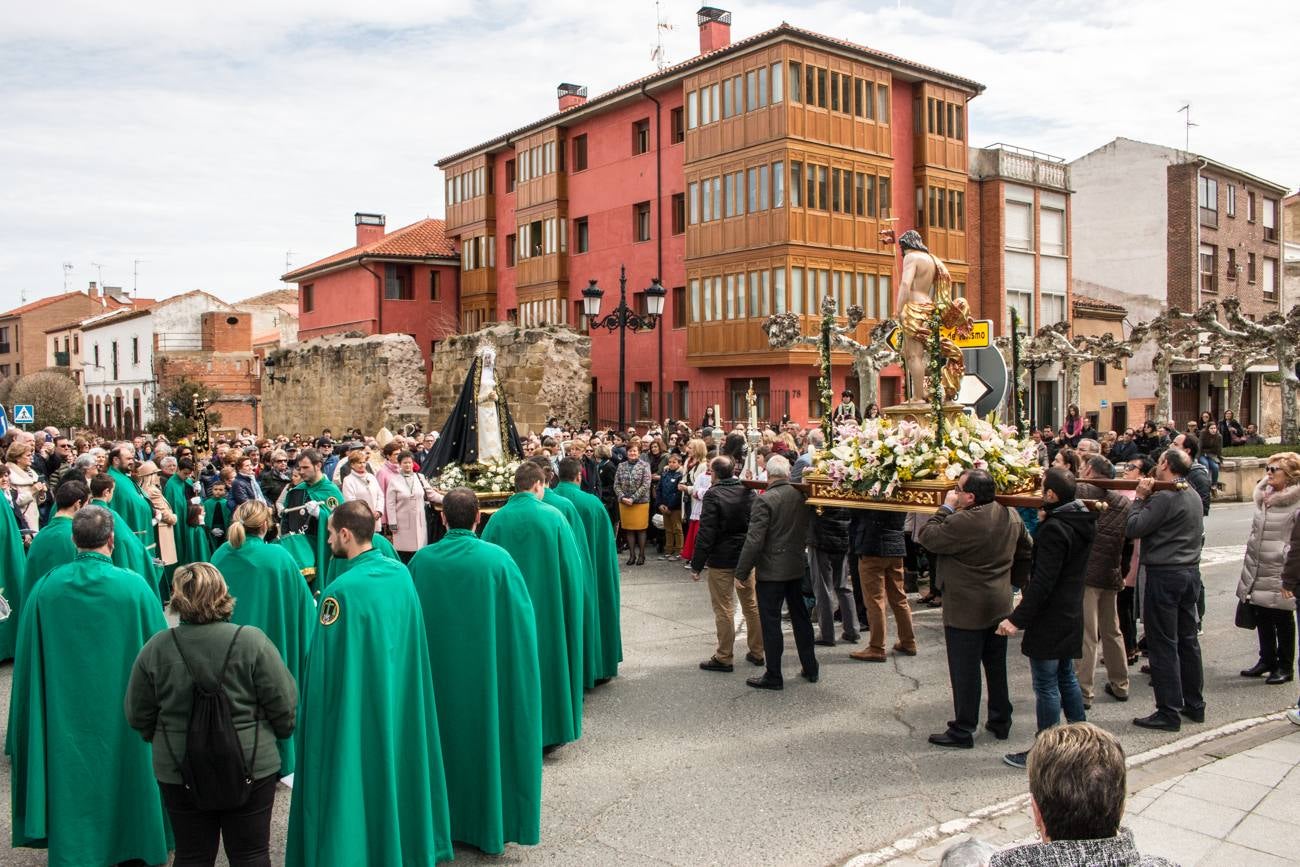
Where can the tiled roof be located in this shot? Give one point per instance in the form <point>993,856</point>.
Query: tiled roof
<point>702,59</point>
<point>1098,304</point>
<point>422,240</point>
<point>276,297</point>
<point>45,302</point>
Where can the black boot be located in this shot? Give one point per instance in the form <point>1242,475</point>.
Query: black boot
<point>1259,669</point>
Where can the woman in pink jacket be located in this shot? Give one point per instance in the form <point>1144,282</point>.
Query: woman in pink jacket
<point>404,501</point>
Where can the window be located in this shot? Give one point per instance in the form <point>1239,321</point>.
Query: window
<point>679,306</point>
<point>97,345</point>
<point>821,88</point>
<point>1207,197</point>
<point>778,290</point>
<point>1052,224</point>
<point>1053,307</point>
<point>693,109</point>
<point>1209,268</point>
<point>679,213</point>
<point>796,183</point>
<point>1250,268</point>
<point>308,304</point>
<point>1020,225</point>
<point>1023,302</point>
<point>958,127</point>
<point>752,189</point>
<point>676,126</point>
<point>778,82</point>
<point>762,87</point>
<point>76,344</point>
<point>434,285</point>
<point>883,186</point>
<point>397,283</point>
<point>1231,200</point>
<point>882,103</point>
<point>835,92</point>
<point>836,204</point>
<point>512,246</point>
<point>641,136</point>
<point>1099,373</point>
<point>510,176</point>
<point>1270,219</point>
<point>693,198</point>
<point>751,90</point>
<point>1269,283</point>
<point>581,235</point>
<point>1231,272</point>
<point>1250,207</point>
<point>796,83</point>
<point>821,188</point>
<point>135,341</point>
<point>641,220</point>
<point>778,185</point>
<point>580,153</point>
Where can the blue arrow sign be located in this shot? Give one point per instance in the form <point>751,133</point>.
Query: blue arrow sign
<point>4,422</point>
<point>23,414</point>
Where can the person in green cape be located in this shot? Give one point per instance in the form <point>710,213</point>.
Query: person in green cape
<point>590,611</point>
<point>338,566</point>
<point>183,493</point>
<point>53,546</point>
<point>216,515</point>
<point>13,567</point>
<point>82,780</point>
<point>541,543</point>
<point>369,786</point>
<point>127,500</point>
<point>128,551</point>
<point>599,536</point>
<point>269,594</point>
<point>482,634</point>
<point>307,508</point>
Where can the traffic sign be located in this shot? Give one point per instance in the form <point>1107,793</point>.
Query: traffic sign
<point>4,422</point>
<point>979,337</point>
<point>23,414</point>
<point>984,387</point>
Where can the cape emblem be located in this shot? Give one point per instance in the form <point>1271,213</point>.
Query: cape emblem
<point>329,611</point>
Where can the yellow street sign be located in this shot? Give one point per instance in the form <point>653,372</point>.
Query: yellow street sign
<point>980,336</point>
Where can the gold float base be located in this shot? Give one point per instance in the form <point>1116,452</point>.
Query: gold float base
<point>924,496</point>
<point>922,412</point>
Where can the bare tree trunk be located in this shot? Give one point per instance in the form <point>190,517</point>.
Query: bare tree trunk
<point>1236,387</point>
<point>1286,358</point>
<point>1072,370</point>
<point>868,381</point>
<point>1164,401</point>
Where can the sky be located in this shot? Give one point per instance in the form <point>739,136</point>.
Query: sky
<point>174,146</point>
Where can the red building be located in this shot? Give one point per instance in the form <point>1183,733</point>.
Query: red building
<point>402,281</point>
<point>752,179</point>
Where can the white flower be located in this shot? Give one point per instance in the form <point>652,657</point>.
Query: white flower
<point>954,471</point>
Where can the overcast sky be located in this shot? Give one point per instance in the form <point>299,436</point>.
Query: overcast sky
<point>215,143</point>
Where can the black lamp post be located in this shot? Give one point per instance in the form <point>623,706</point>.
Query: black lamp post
<point>620,320</point>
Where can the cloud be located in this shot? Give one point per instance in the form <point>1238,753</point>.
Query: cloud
<point>209,144</point>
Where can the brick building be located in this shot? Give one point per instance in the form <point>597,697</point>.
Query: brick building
<point>751,179</point>
<point>1155,226</point>
<point>24,345</point>
<point>1019,212</point>
<point>1103,390</point>
<point>1291,251</point>
<point>401,281</point>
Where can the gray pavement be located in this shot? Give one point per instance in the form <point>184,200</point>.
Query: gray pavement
<point>679,766</point>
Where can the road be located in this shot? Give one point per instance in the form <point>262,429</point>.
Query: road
<point>679,766</point>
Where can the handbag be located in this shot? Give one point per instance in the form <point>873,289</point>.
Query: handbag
<point>1245,617</point>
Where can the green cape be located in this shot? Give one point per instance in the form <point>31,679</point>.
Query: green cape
<point>320,492</point>
<point>541,543</point>
<point>214,509</point>
<point>369,787</point>
<point>271,595</point>
<point>129,552</point>
<point>13,568</point>
<point>590,611</point>
<point>51,547</point>
<point>599,535</point>
<point>482,635</point>
<point>83,782</point>
<point>134,509</point>
<point>191,542</point>
<point>338,566</point>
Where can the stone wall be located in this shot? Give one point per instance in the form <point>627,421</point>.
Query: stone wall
<point>545,372</point>
<point>344,381</point>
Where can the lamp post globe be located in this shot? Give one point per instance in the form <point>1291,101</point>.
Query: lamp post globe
<point>591,296</point>
<point>654,298</point>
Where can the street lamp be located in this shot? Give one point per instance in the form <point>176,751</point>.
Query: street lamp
<point>620,320</point>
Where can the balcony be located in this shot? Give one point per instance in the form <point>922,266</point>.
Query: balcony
<point>61,359</point>
<point>1019,164</point>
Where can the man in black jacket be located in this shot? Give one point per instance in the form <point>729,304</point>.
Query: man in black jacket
<point>724,520</point>
<point>1051,608</point>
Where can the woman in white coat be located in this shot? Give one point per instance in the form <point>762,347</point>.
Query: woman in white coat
<point>26,482</point>
<point>404,501</point>
<point>1277,502</point>
<point>361,484</point>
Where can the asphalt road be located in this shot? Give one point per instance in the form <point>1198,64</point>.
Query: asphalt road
<point>679,766</point>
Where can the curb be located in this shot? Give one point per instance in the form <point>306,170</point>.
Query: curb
<point>934,834</point>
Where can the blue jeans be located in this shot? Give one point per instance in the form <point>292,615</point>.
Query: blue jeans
<point>1056,688</point>
<point>1212,466</point>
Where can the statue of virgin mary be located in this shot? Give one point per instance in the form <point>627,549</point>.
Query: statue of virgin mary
<point>479,428</point>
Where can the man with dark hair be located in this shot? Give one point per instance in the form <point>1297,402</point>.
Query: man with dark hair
<point>981,549</point>
<point>1051,609</point>
<point>128,501</point>
<point>539,540</point>
<point>53,545</point>
<point>128,551</point>
<point>1077,786</point>
<point>307,508</point>
<point>185,497</point>
<point>724,521</point>
<point>1103,580</point>
<point>1197,475</point>
<point>369,661</point>
<point>1170,525</point>
<point>84,624</point>
<point>482,636</point>
<point>597,533</point>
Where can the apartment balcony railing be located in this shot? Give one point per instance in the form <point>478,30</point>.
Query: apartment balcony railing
<point>1032,167</point>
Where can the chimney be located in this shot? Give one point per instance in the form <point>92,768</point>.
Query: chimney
<point>571,95</point>
<point>370,228</point>
<point>93,291</point>
<point>715,28</point>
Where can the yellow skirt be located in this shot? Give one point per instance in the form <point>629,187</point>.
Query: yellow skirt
<point>635,517</point>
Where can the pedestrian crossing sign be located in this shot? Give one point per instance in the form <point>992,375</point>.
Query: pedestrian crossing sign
<point>23,414</point>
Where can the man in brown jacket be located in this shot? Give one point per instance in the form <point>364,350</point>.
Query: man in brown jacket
<point>979,544</point>
<point>1103,579</point>
<point>774,550</point>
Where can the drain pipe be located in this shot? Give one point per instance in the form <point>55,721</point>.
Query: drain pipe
<point>659,235</point>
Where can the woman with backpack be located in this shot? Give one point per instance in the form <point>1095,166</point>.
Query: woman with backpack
<point>212,698</point>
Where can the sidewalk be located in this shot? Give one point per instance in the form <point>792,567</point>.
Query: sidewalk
<point>1225,797</point>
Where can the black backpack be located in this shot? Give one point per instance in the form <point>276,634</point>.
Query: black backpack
<point>213,768</point>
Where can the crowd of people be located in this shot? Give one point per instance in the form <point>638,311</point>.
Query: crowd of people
<point>280,555</point>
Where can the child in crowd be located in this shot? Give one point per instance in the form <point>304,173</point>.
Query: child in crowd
<point>670,506</point>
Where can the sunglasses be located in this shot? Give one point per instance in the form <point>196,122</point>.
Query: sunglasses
<point>1272,469</point>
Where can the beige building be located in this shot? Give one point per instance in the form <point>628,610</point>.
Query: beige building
<point>1103,390</point>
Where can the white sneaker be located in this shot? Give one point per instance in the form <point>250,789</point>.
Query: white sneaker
<point>1294,715</point>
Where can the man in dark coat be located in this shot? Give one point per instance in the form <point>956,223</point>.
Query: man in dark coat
<point>828,546</point>
<point>724,521</point>
<point>1051,609</point>
<point>774,551</point>
<point>878,539</point>
<point>1103,579</point>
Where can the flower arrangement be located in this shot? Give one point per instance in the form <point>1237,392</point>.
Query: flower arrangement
<point>881,454</point>
<point>490,477</point>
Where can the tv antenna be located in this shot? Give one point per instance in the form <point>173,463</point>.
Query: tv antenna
<point>288,261</point>
<point>1187,126</point>
<point>135,276</point>
<point>662,25</point>
<point>99,271</point>
<point>67,272</point>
